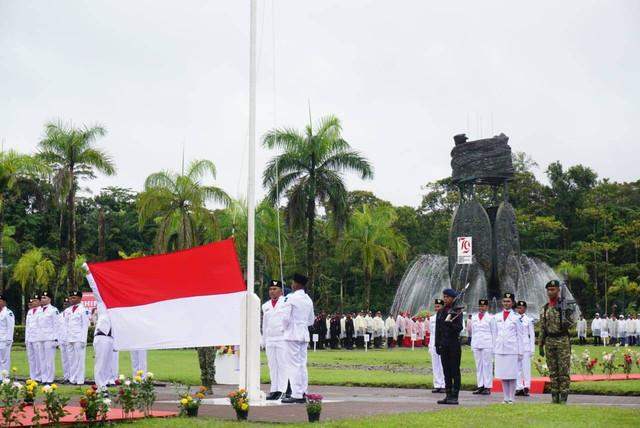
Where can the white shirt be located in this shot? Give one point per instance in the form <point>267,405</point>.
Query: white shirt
<point>400,324</point>
<point>631,327</point>
<point>508,334</point>
<point>527,332</point>
<point>483,331</point>
<point>378,326</point>
<point>432,332</point>
<point>31,327</point>
<point>595,324</point>
<point>369,323</point>
<point>581,327</point>
<point>62,326</point>
<point>297,316</point>
<point>77,322</point>
<point>622,328</point>
<point>637,322</point>
<point>359,325</point>
<point>390,327</point>
<point>272,326</point>
<point>48,323</point>
<point>7,324</point>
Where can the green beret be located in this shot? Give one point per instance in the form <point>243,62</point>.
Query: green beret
<point>552,283</point>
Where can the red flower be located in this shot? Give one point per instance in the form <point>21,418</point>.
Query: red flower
<point>118,383</point>
<point>23,405</point>
<point>94,387</point>
<point>120,392</point>
<point>539,360</point>
<point>83,402</point>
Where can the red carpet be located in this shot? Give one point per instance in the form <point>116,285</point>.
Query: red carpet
<point>538,383</point>
<point>114,414</point>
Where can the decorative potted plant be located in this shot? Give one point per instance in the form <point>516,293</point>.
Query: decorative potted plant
<point>127,396</point>
<point>30,392</point>
<point>240,402</point>
<point>146,393</point>
<point>95,404</point>
<point>54,404</point>
<point>314,407</point>
<point>10,392</point>
<point>188,405</point>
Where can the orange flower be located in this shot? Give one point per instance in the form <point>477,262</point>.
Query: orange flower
<point>203,389</point>
<point>200,395</point>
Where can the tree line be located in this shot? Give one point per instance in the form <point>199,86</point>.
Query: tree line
<point>353,245</point>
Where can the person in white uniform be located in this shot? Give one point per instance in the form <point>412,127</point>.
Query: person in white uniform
<point>378,330</point>
<point>62,343</point>
<point>528,349</point>
<point>390,328</point>
<point>436,363</point>
<point>7,324</point>
<point>139,363</point>
<point>622,331</point>
<point>48,328</point>
<point>483,339</point>
<point>77,321</point>
<point>104,354</point>
<point>31,338</point>
<point>595,330</point>
<point>273,340</point>
<point>581,330</point>
<point>400,328</point>
<point>631,331</point>
<point>296,318</point>
<point>508,349</point>
<point>636,320</point>
<point>360,326</point>
<point>604,330</point>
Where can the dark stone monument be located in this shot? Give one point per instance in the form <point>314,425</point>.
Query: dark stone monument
<point>494,231</point>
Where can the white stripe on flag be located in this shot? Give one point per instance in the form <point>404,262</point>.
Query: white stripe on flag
<point>179,323</point>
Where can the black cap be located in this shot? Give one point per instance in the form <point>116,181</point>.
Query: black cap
<point>300,279</point>
<point>275,283</point>
<point>509,296</point>
<point>521,303</point>
<point>552,283</point>
<point>36,296</point>
<point>483,302</point>
<point>66,299</point>
<point>439,302</point>
<point>45,293</point>
<point>75,294</point>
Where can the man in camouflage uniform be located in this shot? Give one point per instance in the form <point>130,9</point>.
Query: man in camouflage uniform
<point>207,359</point>
<point>554,340</point>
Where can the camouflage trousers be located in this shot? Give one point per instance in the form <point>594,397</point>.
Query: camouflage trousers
<point>206,359</point>
<point>558,353</point>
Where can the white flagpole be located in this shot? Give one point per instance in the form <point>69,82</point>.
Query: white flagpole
<point>250,348</point>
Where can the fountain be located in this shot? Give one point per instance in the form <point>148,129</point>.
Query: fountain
<point>495,265</point>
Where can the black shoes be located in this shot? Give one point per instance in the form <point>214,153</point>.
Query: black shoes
<point>485,391</point>
<point>454,397</point>
<point>446,399</point>
<point>274,395</point>
<point>526,392</point>
<point>478,390</point>
<point>291,400</point>
<point>438,391</point>
<point>519,392</point>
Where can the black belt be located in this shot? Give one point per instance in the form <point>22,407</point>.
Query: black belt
<point>561,334</point>
<point>102,334</point>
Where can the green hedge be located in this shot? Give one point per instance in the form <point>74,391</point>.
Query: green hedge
<point>18,334</point>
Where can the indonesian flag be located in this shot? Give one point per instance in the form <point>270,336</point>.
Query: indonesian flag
<point>183,299</point>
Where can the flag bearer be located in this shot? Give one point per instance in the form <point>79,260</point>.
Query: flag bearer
<point>528,342</point>
<point>31,338</point>
<point>77,323</point>
<point>483,339</point>
<point>48,327</point>
<point>273,340</point>
<point>7,324</point>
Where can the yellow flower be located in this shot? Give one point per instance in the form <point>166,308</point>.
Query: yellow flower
<point>14,368</point>
<point>88,392</point>
<point>183,401</point>
<point>189,398</point>
<point>54,386</point>
<point>137,378</point>
<point>245,407</point>
<point>29,382</point>
<point>35,383</point>
<point>42,390</point>
<point>29,387</point>
<point>242,391</point>
<point>139,372</point>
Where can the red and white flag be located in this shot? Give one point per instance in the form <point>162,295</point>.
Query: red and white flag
<point>183,299</point>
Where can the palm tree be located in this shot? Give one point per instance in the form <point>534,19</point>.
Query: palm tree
<point>234,223</point>
<point>72,155</point>
<point>370,235</point>
<point>13,166</point>
<point>177,203</point>
<point>311,171</point>
<point>33,269</point>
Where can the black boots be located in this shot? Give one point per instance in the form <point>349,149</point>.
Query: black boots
<point>274,395</point>
<point>438,391</point>
<point>478,390</point>
<point>451,398</point>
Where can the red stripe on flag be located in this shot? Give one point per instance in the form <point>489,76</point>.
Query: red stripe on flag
<point>202,271</point>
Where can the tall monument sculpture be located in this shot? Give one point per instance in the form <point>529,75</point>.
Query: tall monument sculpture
<point>493,229</point>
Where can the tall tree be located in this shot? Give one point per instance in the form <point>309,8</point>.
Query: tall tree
<point>310,172</point>
<point>13,165</point>
<point>178,204</point>
<point>72,154</point>
<point>371,237</point>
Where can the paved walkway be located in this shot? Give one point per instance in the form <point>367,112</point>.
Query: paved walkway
<point>355,402</point>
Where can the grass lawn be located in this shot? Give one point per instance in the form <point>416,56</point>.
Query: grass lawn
<point>348,368</point>
<point>497,415</point>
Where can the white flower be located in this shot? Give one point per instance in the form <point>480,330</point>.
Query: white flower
<point>127,383</point>
<point>5,373</point>
<point>149,375</point>
<point>122,377</point>
<point>107,401</point>
<point>6,381</point>
<point>47,389</point>
<point>17,386</point>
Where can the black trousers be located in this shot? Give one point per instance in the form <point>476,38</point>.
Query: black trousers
<point>348,342</point>
<point>389,342</point>
<point>360,342</point>
<point>399,342</point>
<point>334,342</point>
<point>377,342</point>
<point>450,357</point>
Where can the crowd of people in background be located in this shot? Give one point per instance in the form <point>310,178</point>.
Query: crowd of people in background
<point>610,330</point>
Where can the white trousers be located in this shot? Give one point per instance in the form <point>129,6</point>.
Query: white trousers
<point>64,359</point>
<point>509,388</point>
<point>484,367</point>
<point>5,357</point>
<point>77,352</point>
<point>296,367</point>
<point>139,363</point>
<point>277,360</point>
<point>32,357</point>
<point>524,372</point>
<point>103,367</point>
<point>436,366</point>
<point>115,366</point>
<point>47,354</point>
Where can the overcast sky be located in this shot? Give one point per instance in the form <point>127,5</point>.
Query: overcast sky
<point>560,78</point>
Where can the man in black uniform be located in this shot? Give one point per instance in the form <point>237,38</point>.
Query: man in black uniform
<point>320,328</point>
<point>349,331</point>
<point>448,328</point>
<point>335,330</point>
